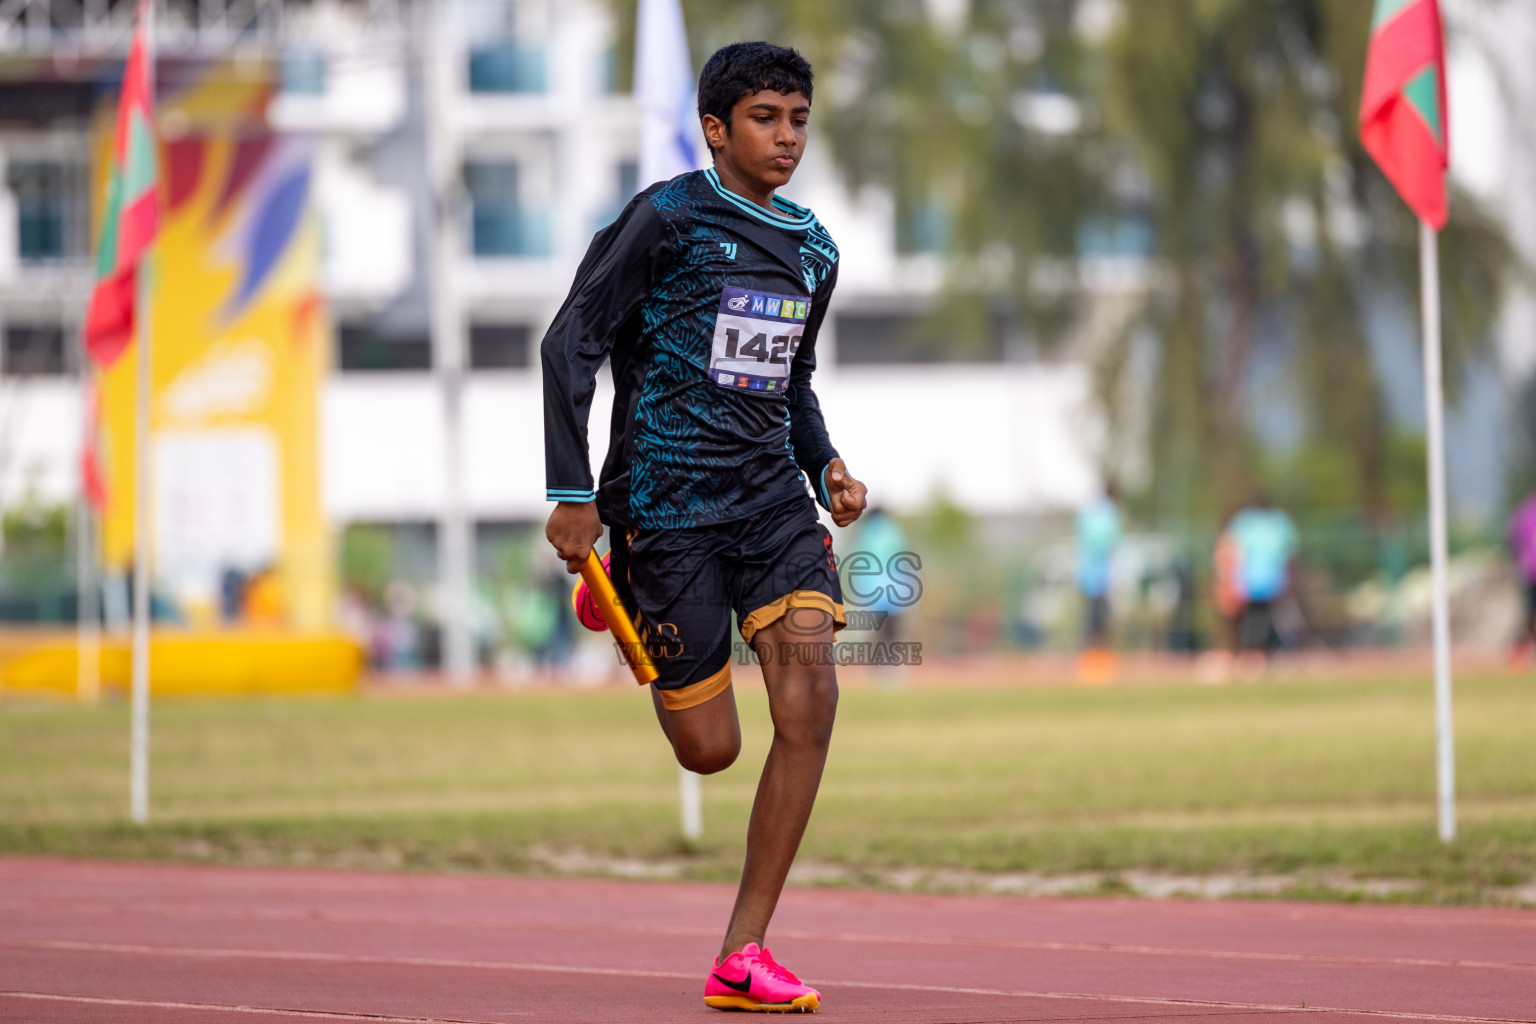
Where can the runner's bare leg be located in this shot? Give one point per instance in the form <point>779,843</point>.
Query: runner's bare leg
<point>802,698</point>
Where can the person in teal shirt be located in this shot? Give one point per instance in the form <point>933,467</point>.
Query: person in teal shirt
<point>1266,541</point>
<point>885,585</point>
<point>1098,534</point>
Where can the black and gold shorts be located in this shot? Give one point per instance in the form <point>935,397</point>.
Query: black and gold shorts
<point>683,585</point>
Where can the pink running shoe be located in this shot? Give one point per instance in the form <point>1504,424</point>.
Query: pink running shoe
<point>753,980</point>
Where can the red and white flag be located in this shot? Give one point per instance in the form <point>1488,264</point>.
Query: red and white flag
<point>1403,116</point>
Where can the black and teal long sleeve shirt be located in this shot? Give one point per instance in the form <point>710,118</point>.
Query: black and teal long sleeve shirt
<point>707,307</point>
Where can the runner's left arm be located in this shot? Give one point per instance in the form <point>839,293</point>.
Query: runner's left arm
<point>807,428</point>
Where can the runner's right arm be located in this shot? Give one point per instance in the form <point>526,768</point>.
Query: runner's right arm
<point>615,276</point>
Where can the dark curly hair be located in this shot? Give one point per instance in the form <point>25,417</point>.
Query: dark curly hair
<point>742,69</point>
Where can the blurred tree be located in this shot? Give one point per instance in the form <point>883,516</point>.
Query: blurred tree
<point>369,560</point>
<point>35,529</point>
<point>35,548</point>
<point>969,114</point>
<point>1521,479</point>
<point>1274,227</point>
<point>945,525</point>
<point>1321,477</point>
<point>1016,136</point>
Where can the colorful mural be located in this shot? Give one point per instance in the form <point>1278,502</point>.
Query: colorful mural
<point>238,342</point>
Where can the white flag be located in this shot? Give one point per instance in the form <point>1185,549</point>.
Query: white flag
<point>670,139</point>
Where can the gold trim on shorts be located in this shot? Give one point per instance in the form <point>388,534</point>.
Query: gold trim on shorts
<point>768,614</point>
<point>694,694</point>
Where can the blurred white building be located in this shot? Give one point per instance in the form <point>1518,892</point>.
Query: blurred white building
<point>1492,78</point>
<point>468,149</point>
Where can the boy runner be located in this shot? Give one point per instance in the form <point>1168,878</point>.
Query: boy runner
<point>706,295</point>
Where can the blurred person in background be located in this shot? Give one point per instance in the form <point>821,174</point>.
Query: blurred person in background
<point>542,623</point>
<point>882,539</point>
<point>398,644</point>
<point>1098,534</point>
<point>1265,540</point>
<point>1227,563</point>
<point>1179,635</point>
<point>1522,545</point>
<point>231,594</point>
<point>263,603</point>
<point>1228,599</point>
<point>355,617</point>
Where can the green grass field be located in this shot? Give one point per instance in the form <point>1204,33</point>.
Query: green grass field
<point>1321,781</point>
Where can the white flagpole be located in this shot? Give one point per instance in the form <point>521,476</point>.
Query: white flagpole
<point>1434,402</point>
<point>88,622</point>
<point>691,796</point>
<point>669,141</point>
<point>87,618</point>
<point>139,752</point>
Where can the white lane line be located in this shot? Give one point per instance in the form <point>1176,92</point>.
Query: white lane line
<point>626,972</point>
<point>1043,945</point>
<point>286,880</point>
<point>1210,1004</point>
<point>266,1011</point>
<point>133,949</point>
<point>1027,945</point>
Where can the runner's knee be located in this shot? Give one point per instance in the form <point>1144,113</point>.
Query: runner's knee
<point>708,754</point>
<point>805,706</point>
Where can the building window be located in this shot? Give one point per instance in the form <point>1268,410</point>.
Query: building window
<point>506,66</point>
<point>873,338</point>
<point>500,223</point>
<point>1125,236</point>
<point>34,350</point>
<point>501,59</point>
<point>364,347</point>
<point>922,229</point>
<point>304,71</point>
<point>500,346</point>
<point>627,172</point>
<point>608,73</point>
<point>387,569</point>
<point>52,222</point>
<point>626,176</point>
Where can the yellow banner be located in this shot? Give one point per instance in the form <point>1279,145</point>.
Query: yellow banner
<point>237,338</point>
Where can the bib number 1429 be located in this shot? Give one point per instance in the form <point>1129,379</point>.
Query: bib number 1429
<point>777,350</point>
<point>756,337</point>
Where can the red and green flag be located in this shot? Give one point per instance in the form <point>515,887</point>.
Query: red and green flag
<point>132,213</point>
<point>1402,107</point>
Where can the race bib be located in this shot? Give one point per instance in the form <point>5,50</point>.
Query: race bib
<point>756,336</point>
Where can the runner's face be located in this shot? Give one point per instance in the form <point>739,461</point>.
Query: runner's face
<point>766,138</point>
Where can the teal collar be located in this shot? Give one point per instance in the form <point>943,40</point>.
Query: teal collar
<point>794,218</point>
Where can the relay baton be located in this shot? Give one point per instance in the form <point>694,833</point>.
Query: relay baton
<point>613,613</point>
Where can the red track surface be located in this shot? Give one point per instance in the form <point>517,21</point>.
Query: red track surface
<point>86,941</point>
